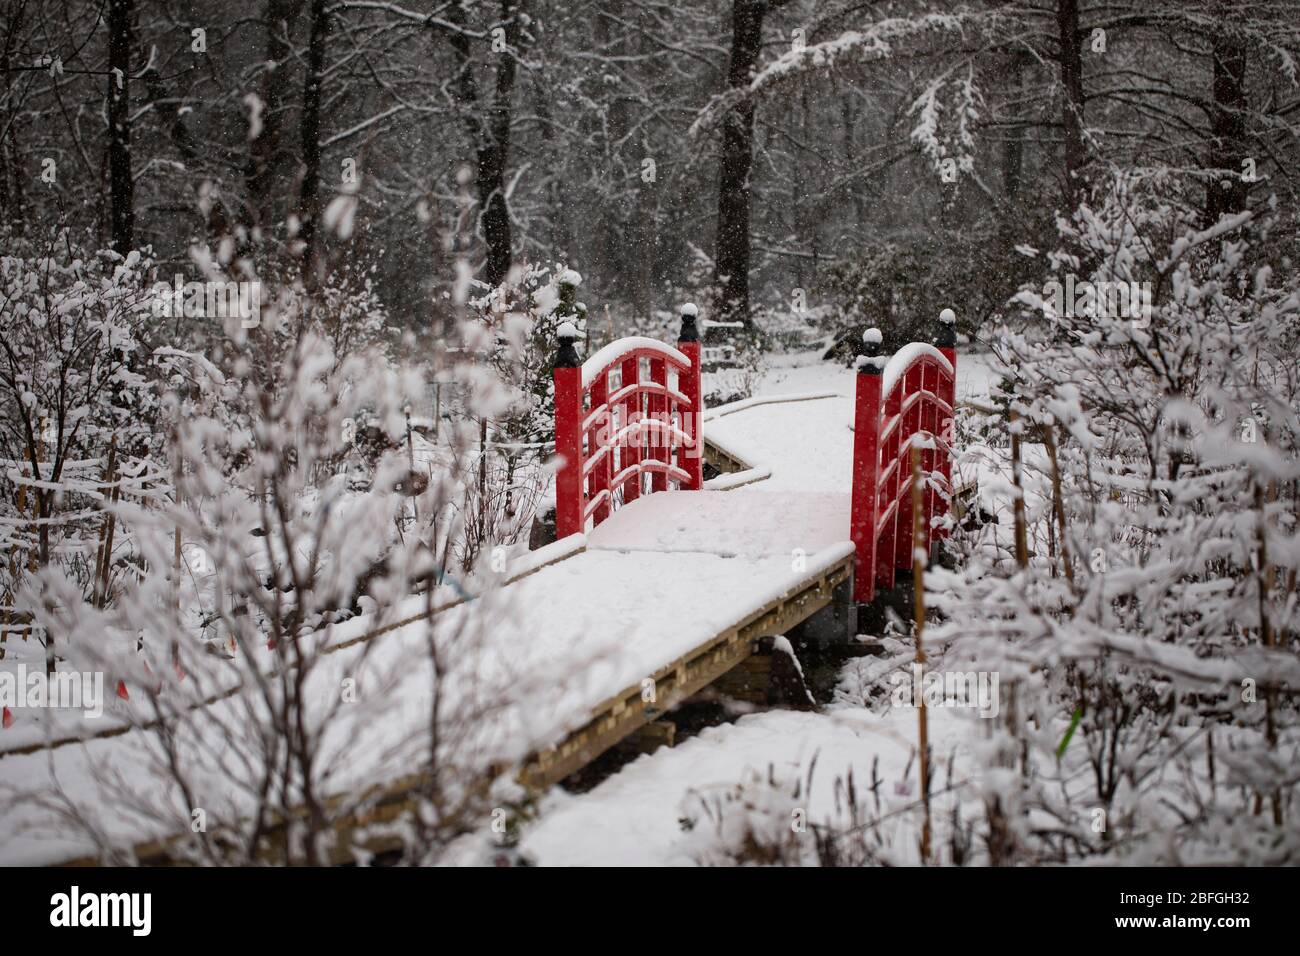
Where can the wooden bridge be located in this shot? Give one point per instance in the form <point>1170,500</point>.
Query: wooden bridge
<point>662,582</point>
<point>625,436</point>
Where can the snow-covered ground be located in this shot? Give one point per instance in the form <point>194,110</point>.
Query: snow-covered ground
<point>635,817</point>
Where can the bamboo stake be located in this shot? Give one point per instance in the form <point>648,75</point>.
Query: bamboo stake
<point>1265,578</point>
<point>13,574</point>
<point>1022,535</point>
<point>1022,556</point>
<point>176,540</point>
<point>176,556</point>
<point>410,466</point>
<point>33,559</point>
<point>1058,503</point>
<point>100,557</point>
<point>114,496</point>
<point>918,592</point>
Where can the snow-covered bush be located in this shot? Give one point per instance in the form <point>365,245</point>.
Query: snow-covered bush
<point>1146,638</point>
<point>510,342</point>
<point>77,425</point>
<point>268,720</point>
<point>513,329</point>
<point>899,285</point>
<point>247,559</point>
<point>756,822</point>
<point>774,818</point>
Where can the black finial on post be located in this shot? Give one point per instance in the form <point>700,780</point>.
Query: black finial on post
<point>945,333</point>
<point>868,351</point>
<point>567,356</point>
<point>690,332</point>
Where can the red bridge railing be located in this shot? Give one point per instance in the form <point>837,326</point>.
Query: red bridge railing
<point>620,435</point>
<point>905,401</point>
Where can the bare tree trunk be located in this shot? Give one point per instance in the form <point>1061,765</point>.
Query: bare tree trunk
<point>645,246</point>
<point>491,136</point>
<point>121,186</point>
<point>11,178</point>
<point>309,202</point>
<point>493,154</point>
<point>731,261</point>
<point>1071,65</point>
<point>612,225</point>
<point>1226,193</point>
<point>1013,149</point>
<point>270,166</point>
<point>849,124</point>
<point>557,221</point>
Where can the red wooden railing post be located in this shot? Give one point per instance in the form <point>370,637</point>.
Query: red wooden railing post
<point>945,340</point>
<point>865,493</point>
<point>688,343</point>
<point>567,376</point>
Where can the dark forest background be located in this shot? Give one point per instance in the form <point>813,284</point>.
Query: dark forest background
<point>858,158</point>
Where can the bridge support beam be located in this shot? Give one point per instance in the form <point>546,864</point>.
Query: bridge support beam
<point>835,625</point>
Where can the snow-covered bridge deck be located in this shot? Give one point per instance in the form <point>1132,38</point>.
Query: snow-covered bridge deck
<point>688,582</point>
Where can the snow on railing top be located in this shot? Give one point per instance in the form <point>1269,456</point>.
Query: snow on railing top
<point>905,357</point>
<point>612,353</point>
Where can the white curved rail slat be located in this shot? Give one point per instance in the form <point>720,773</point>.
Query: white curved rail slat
<point>603,359</point>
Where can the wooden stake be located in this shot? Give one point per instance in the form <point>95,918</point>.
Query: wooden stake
<point>1265,578</point>
<point>115,495</point>
<point>100,557</point>
<point>176,542</point>
<point>1058,503</point>
<point>410,466</point>
<point>176,553</point>
<point>38,456</point>
<point>918,591</point>
<point>13,573</point>
<point>1022,534</point>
